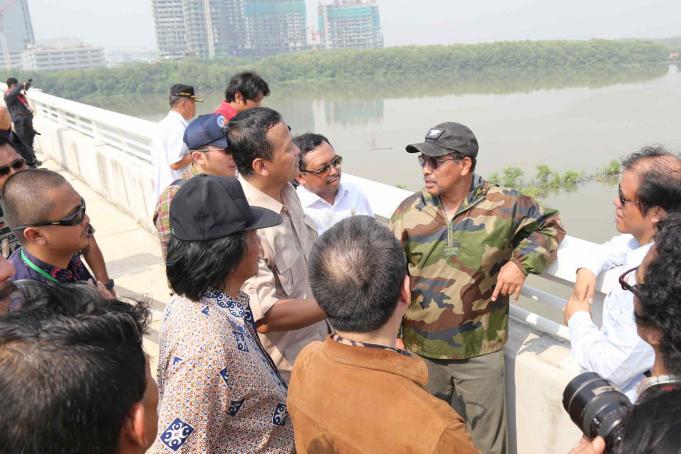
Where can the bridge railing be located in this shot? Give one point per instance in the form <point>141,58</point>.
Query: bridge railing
<point>132,138</point>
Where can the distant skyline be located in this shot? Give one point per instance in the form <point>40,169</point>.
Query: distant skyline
<point>128,24</point>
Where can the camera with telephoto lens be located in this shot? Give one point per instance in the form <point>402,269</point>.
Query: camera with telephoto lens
<point>597,407</point>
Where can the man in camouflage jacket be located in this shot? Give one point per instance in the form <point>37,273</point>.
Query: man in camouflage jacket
<point>469,245</point>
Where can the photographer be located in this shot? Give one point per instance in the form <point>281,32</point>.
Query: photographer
<point>656,286</point>
<point>20,110</point>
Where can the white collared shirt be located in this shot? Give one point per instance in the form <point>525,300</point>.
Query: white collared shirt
<point>168,148</point>
<point>349,201</point>
<point>615,352</point>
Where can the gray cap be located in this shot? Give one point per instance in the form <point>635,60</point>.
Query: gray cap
<point>447,138</point>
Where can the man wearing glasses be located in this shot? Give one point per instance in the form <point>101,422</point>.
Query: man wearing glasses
<point>10,163</point>
<point>205,138</point>
<point>469,245</point>
<point>649,187</point>
<point>49,218</point>
<point>324,197</point>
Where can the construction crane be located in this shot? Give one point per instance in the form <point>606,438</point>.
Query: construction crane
<point>3,39</point>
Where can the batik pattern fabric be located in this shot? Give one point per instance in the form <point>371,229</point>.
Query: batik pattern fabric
<point>454,265</point>
<point>220,392</point>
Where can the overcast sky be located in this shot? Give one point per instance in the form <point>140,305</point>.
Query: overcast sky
<point>128,24</point>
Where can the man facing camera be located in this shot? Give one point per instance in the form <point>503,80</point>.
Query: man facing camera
<point>324,197</point>
<point>358,274</point>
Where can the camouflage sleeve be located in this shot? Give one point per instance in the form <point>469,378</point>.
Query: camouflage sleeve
<point>537,233</point>
<point>396,225</point>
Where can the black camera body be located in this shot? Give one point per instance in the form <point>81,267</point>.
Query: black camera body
<point>597,407</point>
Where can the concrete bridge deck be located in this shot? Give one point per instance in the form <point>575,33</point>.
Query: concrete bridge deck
<point>132,254</point>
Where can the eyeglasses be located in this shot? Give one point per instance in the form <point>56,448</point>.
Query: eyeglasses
<point>325,169</point>
<point>624,200</point>
<point>434,162</point>
<point>73,219</point>
<point>625,280</point>
<point>16,165</point>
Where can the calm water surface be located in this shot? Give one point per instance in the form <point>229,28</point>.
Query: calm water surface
<point>572,122</point>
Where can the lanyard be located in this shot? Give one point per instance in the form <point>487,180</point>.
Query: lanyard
<point>35,267</point>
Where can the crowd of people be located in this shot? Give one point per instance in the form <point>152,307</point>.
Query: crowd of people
<point>299,322</point>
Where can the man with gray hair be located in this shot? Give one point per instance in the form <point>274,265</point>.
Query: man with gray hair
<point>358,275</point>
<point>169,153</point>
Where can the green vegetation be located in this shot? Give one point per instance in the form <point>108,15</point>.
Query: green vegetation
<point>673,44</point>
<point>547,181</point>
<point>484,65</point>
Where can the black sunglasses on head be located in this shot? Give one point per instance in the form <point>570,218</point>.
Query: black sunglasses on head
<point>73,219</point>
<point>16,165</point>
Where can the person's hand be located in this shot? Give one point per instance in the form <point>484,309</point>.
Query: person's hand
<point>575,305</point>
<point>588,446</point>
<point>104,292</point>
<point>509,282</point>
<point>585,285</point>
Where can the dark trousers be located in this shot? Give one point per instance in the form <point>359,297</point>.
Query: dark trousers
<point>24,129</point>
<point>476,389</point>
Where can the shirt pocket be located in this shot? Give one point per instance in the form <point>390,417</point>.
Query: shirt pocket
<point>287,269</point>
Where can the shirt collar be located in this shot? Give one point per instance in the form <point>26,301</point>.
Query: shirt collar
<point>309,198</point>
<point>226,110</point>
<point>380,359</point>
<point>177,116</point>
<point>258,198</point>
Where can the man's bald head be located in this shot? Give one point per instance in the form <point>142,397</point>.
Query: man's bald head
<point>26,196</point>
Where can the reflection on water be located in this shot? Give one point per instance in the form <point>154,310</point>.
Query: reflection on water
<point>568,119</point>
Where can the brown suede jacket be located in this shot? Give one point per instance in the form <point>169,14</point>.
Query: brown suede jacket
<point>352,399</point>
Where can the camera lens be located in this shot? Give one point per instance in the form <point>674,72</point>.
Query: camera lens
<point>595,405</point>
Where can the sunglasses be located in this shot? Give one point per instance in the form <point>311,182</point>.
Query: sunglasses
<point>325,169</point>
<point>434,162</point>
<point>624,200</point>
<point>627,277</point>
<point>73,219</point>
<point>16,165</point>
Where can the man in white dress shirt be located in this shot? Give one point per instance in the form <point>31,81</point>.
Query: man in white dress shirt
<point>169,154</point>
<point>650,186</point>
<point>325,198</point>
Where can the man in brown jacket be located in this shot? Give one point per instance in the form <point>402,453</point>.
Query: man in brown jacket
<point>356,392</point>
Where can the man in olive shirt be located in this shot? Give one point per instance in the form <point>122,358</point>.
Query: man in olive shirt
<point>287,316</point>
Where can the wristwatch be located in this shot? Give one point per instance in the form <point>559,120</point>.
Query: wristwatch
<point>109,285</point>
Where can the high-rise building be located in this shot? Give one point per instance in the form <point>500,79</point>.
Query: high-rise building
<point>16,32</point>
<point>350,24</point>
<point>170,29</point>
<point>274,26</point>
<point>213,28</point>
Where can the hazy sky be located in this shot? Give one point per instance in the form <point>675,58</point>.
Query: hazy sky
<point>128,24</point>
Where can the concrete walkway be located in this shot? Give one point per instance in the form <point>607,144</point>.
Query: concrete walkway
<point>132,254</point>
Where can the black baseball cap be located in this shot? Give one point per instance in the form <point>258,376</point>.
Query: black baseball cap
<point>447,138</point>
<point>209,207</point>
<point>184,91</point>
<point>206,130</point>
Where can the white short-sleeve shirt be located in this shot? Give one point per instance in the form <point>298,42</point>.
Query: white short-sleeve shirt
<point>168,148</point>
<point>349,201</point>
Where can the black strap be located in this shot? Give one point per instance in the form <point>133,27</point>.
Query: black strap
<point>179,182</point>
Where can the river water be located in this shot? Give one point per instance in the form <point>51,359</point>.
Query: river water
<point>569,120</point>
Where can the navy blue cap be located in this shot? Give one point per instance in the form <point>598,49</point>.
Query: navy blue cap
<point>206,130</point>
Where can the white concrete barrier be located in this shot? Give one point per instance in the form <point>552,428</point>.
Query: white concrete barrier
<point>110,152</point>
